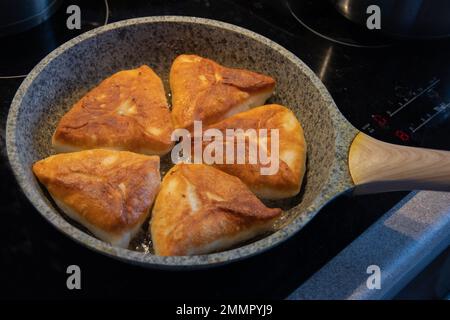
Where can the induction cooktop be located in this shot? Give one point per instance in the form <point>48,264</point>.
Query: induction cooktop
<point>394,90</point>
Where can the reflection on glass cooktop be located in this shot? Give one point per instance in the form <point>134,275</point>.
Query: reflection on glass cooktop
<point>326,22</point>
<point>398,93</point>
<point>21,52</point>
<point>395,90</point>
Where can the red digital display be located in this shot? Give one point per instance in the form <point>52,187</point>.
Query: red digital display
<point>402,135</point>
<point>380,120</point>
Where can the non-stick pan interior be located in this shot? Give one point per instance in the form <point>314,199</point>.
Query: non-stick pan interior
<point>69,74</point>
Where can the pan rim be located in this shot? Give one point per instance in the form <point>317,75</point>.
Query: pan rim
<point>338,181</point>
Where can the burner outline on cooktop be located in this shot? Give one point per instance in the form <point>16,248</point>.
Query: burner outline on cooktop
<point>329,38</point>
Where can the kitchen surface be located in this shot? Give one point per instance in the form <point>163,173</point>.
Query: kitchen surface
<point>396,90</point>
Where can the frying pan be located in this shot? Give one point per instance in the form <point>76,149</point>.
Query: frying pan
<point>339,157</point>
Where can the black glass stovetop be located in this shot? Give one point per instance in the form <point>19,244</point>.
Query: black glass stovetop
<point>394,90</point>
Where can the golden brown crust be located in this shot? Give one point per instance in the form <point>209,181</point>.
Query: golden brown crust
<point>292,151</point>
<point>110,190</point>
<point>204,90</point>
<point>201,209</point>
<point>127,111</point>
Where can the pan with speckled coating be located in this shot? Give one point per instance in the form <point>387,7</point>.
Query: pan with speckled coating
<point>68,72</point>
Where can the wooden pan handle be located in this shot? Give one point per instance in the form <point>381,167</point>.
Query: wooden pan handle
<point>377,166</point>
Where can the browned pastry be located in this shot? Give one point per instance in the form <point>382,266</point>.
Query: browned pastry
<point>109,192</point>
<point>127,111</point>
<point>287,180</point>
<point>201,210</point>
<point>204,90</point>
